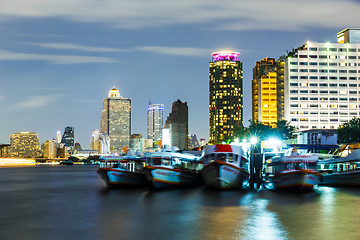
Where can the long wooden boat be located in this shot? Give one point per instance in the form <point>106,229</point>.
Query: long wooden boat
<point>123,171</point>
<point>169,169</point>
<point>225,167</point>
<point>296,172</point>
<point>342,171</point>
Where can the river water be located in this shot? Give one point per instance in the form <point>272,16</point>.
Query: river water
<point>72,202</point>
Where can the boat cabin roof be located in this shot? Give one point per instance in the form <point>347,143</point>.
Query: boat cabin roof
<point>354,156</point>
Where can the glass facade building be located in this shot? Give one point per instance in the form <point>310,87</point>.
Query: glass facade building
<point>116,120</point>
<point>24,145</point>
<point>155,122</point>
<point>225,95</point>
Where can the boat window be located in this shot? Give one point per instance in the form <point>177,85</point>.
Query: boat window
<point>232,158</point>
<point>156,161</point>
<point>166,161</point>
<point>221,157</point>
<point>211,157</point>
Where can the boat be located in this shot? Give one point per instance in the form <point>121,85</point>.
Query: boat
<point>123,171</point>
<point>293,173</point>
<point>341,171</point>
<point>225,167</point>
<point>173,169</point>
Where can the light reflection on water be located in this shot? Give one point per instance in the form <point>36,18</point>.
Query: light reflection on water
<point>71,202</point>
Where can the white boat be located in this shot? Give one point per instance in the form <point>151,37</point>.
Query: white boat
<point>123,171</point>
<point>341,171</point>
<point>295,172</point>
<point>169,169</point>
<point>225,167</point>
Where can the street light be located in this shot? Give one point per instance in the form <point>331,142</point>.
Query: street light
<point>253,140</point>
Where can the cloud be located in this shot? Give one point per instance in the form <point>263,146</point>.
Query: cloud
<point>68,46</point>
<point>56,59</point>
<point>225,15</point>
<point>177,51</point>
<point>35,102</point>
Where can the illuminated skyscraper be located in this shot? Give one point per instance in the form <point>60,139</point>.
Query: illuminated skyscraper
<point>176,126</point>
<point>225,95</point>
<point>24,144</point>
<point>155,122</point>
<point>268,91</point>
<point>68,137</point>
<point>49,149</point>
<point>322,83</point>
<point>58,137</point>
<point>116,120</point>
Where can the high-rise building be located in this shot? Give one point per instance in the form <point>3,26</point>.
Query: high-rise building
<point>225,95</point>
<point>267,91</point>
<point>24,144</point>
<point>100,142</point>
<point>116,120</point>
<point>322,84</point>
<point>49,149</point>
<point>176,125</point>
<point>155,122</point>
<point>58,137</point>
<point>68,137</point>
<point>137,143</point>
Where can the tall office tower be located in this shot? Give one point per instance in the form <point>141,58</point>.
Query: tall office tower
<point>322,84</point>
<point>267,91</point>
<point>176,125</point>
<point>225,95</point>
<point>24,144</point>
<point>155,122</point>
<point>280,65</point>
<point>68,137</point>
<point>58,137</point>
<point>116,120</point>
<point>49,149</point>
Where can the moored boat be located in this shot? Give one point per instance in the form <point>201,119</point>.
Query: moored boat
<point>172,169</point>
<point>295,172</point>
<point>123,171</point>
<point>341,171</point>
<point>225,167</point>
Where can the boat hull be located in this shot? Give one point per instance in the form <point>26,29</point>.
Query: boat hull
<point>115,177</point>
<point>299,180</point>
<point>347,179</point>
<point>220,175</point>
<point>161,177</point>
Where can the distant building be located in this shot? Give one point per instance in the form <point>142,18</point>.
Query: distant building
<point>202,142</point>
<point>268,91</point>
<point>318,137</point>
<point>58,137</point>
<point>25,145</point>
<point>5,150</point>
<point>77,146</point>
<point>193,142</point>
<point>50,149</point>
<point>155,122</point>
<point>62,151</point>
<point>116,120</point>
<point>177,125</point>
<point>137,143</point>
<point>322,83</point>
<point>68,138</point>
<point>100,142</point>
<point>225,95</point>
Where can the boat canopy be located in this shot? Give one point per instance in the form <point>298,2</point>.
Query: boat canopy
<point>352,157</point>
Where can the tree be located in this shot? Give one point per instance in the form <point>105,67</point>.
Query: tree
<point>349,132</point>
<point>285,130</point>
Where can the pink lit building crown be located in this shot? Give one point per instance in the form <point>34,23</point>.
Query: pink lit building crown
<point>225,56</point>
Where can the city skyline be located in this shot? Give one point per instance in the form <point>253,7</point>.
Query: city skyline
<point>58,63</point>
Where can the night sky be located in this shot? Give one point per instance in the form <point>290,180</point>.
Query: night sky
<point>59,59</point>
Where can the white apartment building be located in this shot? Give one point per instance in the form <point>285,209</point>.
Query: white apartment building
<point>322,84</point>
